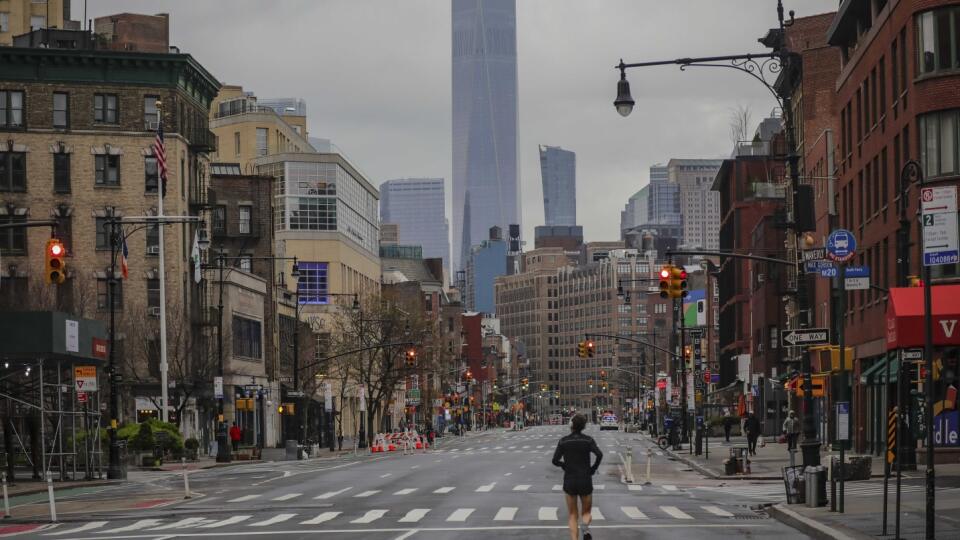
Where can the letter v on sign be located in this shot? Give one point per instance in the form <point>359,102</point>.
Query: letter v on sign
<point>948,327</point>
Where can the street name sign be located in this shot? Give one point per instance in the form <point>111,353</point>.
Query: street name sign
<point>941,244</point>
<point>815,254</point>
<point>830,272</point>
<point>841,245</point>
<point>912,354</point>
<point>295,393</point>
<point>804,336</point>
<point>817,267</point>
<point>856,283</point>
<point>857,271</point>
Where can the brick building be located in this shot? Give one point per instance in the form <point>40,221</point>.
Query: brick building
<point>77,147</point>
<point>134,32</point>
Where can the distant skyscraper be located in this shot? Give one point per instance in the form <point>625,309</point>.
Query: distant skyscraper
<point>699,204</point>
<point>558,168</point>
<point>484,72</point>
<point>418,207</point>
<point>656,205</point>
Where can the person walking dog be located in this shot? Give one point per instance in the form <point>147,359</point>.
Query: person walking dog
<point>573,456</point>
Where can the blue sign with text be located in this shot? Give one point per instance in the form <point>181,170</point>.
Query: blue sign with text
<point>841,245</point>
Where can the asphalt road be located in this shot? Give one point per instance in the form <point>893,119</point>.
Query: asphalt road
<point>495,484</point>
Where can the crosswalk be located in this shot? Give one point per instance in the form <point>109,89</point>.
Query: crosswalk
<point>628,514</point>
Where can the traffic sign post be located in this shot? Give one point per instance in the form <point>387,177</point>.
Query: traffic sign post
<point>804,337</point>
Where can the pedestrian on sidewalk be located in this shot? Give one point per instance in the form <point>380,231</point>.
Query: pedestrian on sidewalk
<point>752,428</point>
<point>235,436</point>
<point>727,426</point>
<point>791,429</point>
<point>573,456</point>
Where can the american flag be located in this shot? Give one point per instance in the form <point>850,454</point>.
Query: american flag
<point>160,153</point>
<point>124,270</point>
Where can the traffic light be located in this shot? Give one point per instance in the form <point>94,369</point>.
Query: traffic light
<point>411,358</point>
<point>468,375</point>
<point>56,267</point>
<point>678,282</point>
<point>286,409</point>
<point>591,348</point>
<point>590,383</point>
<point>582,349</point>
<point>665,274</point>
<point>603,374</point>
<point>688,356</point>
<point>914,281</point>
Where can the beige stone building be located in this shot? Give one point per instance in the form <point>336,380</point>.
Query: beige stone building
<point>20,16</point>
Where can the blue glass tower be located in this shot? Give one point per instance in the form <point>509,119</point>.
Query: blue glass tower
<point>558,170</point>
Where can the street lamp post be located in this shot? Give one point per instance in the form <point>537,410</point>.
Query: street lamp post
<point>223,451</point>
<point>759,66</point>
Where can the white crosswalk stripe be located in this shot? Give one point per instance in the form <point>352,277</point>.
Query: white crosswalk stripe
<point>675,512</point>
<point>85,527</point>
<point>596,514</point>
<point>486,487</point>
<point>506,513</point>
<point>326,516</point>
<point>244,498</point>
<point>186,522</point>
<point>279,518</point>
<point>414,515</point>
<point>331,494</point>
<point>521,487</point>
<point>405,491</point>
<point>635,487</point>
<point>557,487</point>
<point>460,514</point>
<point>717,511</point>
<point>633,512</point>
<point>136,526</point>
<point>287,497</point>
<point>547,513</point>
<point>370,516</point>
<point>447,489</point>
<point>224,522</point>
<point>669,487</point>
<point>367,493</point>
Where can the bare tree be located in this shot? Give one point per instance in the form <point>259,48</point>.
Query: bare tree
<point>739,124</point>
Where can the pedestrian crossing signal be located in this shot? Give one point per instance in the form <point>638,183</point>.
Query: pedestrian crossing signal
<point>55,265</point>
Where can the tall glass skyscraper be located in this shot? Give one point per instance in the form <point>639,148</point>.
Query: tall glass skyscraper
<point>558,169</point>
<point>485,184</point>
<point>418,207</point>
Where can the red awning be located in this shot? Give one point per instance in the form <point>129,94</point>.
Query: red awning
<point>905,316</point>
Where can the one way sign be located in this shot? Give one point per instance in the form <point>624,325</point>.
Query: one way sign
<point>804,336</point>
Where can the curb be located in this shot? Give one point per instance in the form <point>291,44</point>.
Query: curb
<point>34,491</point>
<point>812,527</point>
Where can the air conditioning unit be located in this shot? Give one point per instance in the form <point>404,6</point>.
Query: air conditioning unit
<point>154,311</point>
<point>150,125</point>
<point>153,250</point>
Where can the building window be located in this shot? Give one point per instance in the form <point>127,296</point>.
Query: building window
<point>105,108</point>
<point>262,134</point>
<point>103,294</point>
<point>153,293</point>
<point>939,143</point>
<point>151,174</point>
<point>245,262</point>
<point>102,233</point>
<point>245,213</point>
<point>11,108</point>
<point>61,173</point>
<point>151,116</point>
<point>37,22</point>
<point>219,219</point>
<point>236,142</point>
<point>4,21</point>
<point>61,110</point>
<point>246,337</point>
<point>13,241</point>
<point>153,240</point>
<point>13,171</point>
<point>936,43</point>
<point>312,283</point>
<point>107,170</point>
<point>65,233</point>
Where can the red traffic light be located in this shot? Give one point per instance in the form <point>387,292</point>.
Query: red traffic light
<point>56,249</point>
<point>665,273</point>
<point>683,274</point>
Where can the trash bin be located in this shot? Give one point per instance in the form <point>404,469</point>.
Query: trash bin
<point>793,483</point>
<point>292,450</point>
<point>815,479</point>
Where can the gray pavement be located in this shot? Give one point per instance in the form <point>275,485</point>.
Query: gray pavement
<point>494,484</point>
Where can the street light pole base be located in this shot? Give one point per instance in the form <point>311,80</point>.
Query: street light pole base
<point>223,447</point>
<point>116,469</point>
<point>811,453</point>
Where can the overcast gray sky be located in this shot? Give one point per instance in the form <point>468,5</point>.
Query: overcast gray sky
<point>376,77</point>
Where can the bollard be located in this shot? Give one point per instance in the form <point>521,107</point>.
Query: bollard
<point>186,481</point>
<point>53,502</point>
<point>629,464</point>
<point>793,456</point>
<point>6,498</point>
<point>649,463</point>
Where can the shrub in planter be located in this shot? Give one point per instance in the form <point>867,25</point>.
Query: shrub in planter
<point>193,446</point>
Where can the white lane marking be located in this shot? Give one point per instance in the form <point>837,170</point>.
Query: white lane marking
<point>596,514</point>
<point>521,487</point>
<point>525,446</point>
<point>371,515</point>
<point>506,513</point>
<point>287,497</point>
<point>415,467</point>
<point>498,448</point>
<point>460,514</point>
<point>633,512</point>
<point>557,487</point>
<point>717,511</point>
<point>635,487</point>
<point>486,487</point>
<point>547,513</point>
<point>414,515</point>
<point>523,466</point>
<point>511,447</point>
<point>507,474</point>
<point>367,493</point>
<point>243,499</point>
<point>539,446</point>
<point>675,512</point>
<point>669,487</point>
<point>84,527</point>
<point>330,494</point>
<point>224,522</point>
<point>454,449</point>
<point>444,490</point>
<point>326,516</point>
<point>405,491</point>
<point>386,475</point>
<point>142,524</point>
<point>600,486</point>
<point>187,522</point>
<point>279,518</point>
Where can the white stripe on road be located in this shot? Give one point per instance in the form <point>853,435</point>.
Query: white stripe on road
<point>142,524</point>
<point>286,497</point>
<point>179,524</point>
<point>326,516</point>
<point>223,522</point>
<point>330,494</point>
<point>444,490</point>
<point>669,487</point>
<point>557,487</point>
<point>507,474</point>
<point>243,499</point>
<point>675,512</point>
<point>633,512</point>
<point>600,486</point>
<point>371,515</point>
<point>84,527</point>
<point>521,487</point>
<point>635,487</point>
<point>595,512</point>
<point>386,475</point>
<point>717,511</point>
<point>405,491</point>
<point>414,515</point>
<point>486,487</point>
<point>547,513</point>
<point>506,513</point>
<point>367,493</point>
<point>279,518</point>
<point>539,446</point>
<point>460,514</point>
